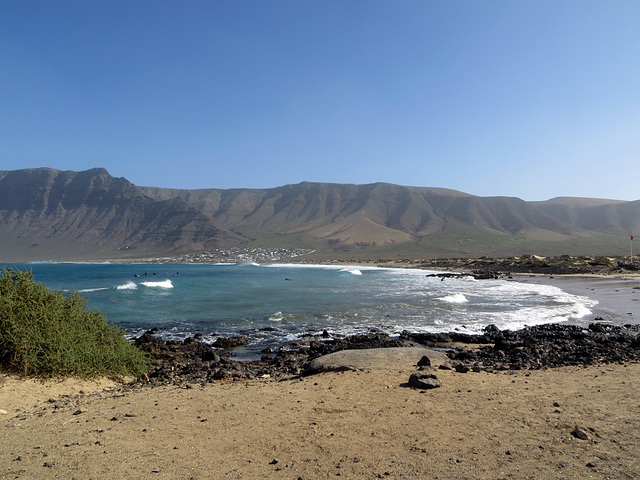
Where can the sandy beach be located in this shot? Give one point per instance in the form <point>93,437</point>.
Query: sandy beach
<point>365,423</point>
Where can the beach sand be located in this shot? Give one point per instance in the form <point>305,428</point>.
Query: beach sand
<point>353,424</point>
<point>361,424</point>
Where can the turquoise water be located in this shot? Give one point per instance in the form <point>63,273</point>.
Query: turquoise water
<point>274,304</point>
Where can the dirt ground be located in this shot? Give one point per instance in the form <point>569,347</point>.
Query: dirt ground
<point>354,424</point>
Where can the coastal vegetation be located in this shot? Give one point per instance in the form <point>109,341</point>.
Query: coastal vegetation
<point>49,334</point>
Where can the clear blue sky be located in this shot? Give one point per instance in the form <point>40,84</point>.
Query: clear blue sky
<point>532,99</point>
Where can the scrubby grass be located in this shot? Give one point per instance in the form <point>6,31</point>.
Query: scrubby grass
<point>48,334</point>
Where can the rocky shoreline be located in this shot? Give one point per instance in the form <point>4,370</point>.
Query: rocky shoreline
<point>535,264</point>
<point>532,348</point>
<point>193,361</point>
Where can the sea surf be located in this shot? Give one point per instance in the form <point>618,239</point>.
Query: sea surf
<point>272,304</point>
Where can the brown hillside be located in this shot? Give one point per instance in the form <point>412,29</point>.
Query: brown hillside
<point>51,214</point>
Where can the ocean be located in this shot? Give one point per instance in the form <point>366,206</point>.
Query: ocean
<point>275,304</point>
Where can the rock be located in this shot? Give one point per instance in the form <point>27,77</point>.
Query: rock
<point>424,380</point>
<point>3,412</point>
<point>147,341</point>
<point>536,347</point>
<point>370,358</point>
<point>424,362</point>
<point>580,433</point>
<point>461,368</point>
<point>210,356</point>
<point>231,342</point>
<point>545,346</point>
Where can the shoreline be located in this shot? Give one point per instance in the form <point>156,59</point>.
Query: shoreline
<point>365,422</point>
<point>618,297</point>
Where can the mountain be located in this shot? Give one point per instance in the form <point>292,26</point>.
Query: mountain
<point>46,213</point>
<point>52,214</point>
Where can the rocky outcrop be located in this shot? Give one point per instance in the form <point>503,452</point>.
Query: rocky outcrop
<point>193,361</point>
<point>486,268</point>
<point>545,346</point>
<point>542,346</point>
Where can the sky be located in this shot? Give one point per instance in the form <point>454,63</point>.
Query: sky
<point>529,99</point>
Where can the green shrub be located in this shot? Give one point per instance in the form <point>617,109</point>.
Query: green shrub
<point>47,334</point>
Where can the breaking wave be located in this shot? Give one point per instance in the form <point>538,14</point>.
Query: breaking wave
<point>162,284</point>
<point>352,271</point>
<point>454,298</point>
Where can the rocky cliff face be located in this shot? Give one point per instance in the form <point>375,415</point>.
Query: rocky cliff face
<point>47,213</point>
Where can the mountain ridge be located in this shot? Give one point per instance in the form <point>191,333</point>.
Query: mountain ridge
<point>52,214</point>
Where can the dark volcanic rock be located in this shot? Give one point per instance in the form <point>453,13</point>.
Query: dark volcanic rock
<point>370,340</point>
<point>193,361</point>
<point>580,433</point>
<point>543,346</point>
<point>424,380</point>
<point>424,362</point>
<point>231,342</point>
<point>147,342</point>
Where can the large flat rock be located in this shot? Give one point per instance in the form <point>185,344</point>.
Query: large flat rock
<point>376,359</point>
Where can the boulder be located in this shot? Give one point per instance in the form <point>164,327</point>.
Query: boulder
<point>424,380</point>
<point>424,362</point>
<point>231,342</point>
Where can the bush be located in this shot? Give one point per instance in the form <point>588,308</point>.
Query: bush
<point>47,334</point>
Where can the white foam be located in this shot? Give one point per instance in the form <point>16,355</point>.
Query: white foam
<point>352,271</point>
<point>454,298</point>
<point>163,284</point>
<point>276,317</point>
<point>127,286</point>
<point>87,290</point>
